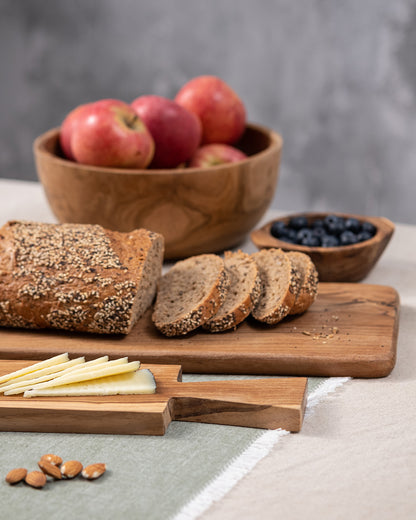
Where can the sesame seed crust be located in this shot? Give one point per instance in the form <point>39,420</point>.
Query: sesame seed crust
<point>190,294</point>
<point>278,286</point>
<point>308,281</point>
<point>75,276</point>
<point>244,292</point>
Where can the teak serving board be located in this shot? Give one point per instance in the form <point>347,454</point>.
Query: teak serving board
<point>259,403</point>
<point>350,330</point>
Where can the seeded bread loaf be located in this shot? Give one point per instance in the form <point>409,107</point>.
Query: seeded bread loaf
<point>242,295</point>
<point>189,294</point>
<point>279,286</point>
<point>308,281</point>
<point>76,277</point>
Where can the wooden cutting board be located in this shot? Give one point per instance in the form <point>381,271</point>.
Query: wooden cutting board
<point>350,330</point>
<point>259,403</point>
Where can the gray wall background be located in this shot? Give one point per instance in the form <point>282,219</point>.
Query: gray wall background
<point>336,78</point>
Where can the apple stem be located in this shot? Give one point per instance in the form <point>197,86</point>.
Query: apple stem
<point>131,120</point>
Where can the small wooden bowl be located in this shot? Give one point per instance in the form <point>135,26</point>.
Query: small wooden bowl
<point>197,210</point>
<point>334,264</point>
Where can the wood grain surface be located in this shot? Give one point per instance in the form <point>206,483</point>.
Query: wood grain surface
<point>350,330</point>
<point>197,210</point>
<point>258,403</point>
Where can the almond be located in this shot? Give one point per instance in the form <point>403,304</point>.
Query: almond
<point>71,468</point>
<point>50,469</point>
<point>16,475</point>
<point>52,459</point>
<point>36,479</point>
<point>93,471</point>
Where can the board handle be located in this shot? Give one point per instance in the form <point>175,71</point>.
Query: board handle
<point>258,403</point>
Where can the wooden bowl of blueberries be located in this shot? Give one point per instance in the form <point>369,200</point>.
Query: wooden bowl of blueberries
<point>344,248</point>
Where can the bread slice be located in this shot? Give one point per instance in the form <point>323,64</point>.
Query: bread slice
<point>242,295</point>
<point>279,286</point>
<point>189,294</point>
<point>76,277</point>
<point>308,281</point>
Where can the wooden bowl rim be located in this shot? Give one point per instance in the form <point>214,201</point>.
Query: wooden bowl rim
<point>385,228</point>
<point>276,143</point>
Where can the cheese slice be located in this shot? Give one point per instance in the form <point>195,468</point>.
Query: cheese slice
<point>90,364</point>
<point>42,375</point>
<point>137,382</point>
<point>56,360</point>
<point>52,369</point>
<point>85,375</point>
<point>26,383</point>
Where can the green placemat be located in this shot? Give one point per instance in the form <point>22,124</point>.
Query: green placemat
<point>148,477</point>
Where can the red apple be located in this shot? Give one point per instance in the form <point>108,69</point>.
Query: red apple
<point>175,130</point>
<point>65,134</point>
<point>220,110</point>
<point>112,135</point>
<point>214,154</point>
<point>71,120</point>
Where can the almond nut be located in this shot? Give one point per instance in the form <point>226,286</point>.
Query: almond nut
<point>93,471</point>
<point>50,469</point>
<point>16,475</point>
<point>36,479</point>
<point>71,469</point>
<point>52,459</point>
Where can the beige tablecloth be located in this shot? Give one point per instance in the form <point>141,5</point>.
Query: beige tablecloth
<point>355,457</point>
<point>356,454</point>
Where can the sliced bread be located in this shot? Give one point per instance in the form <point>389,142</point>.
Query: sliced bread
<point>279,286</point>
<point>189,294</point>
<point>242,295</point>
<point>308,281</point>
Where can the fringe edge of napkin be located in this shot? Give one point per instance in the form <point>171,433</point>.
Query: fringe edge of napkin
<point>247,460</point>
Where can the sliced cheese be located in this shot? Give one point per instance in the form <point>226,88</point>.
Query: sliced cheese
<point>90,364</point>
<point>46,374</point>
<point>61,358</point>
<point>138,382</point>
<point>85,375</point>
<point>55,370</point>
<point>22,386</point>
<point>71,366</point>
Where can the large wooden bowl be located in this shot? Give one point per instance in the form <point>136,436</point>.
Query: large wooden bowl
<point>349,263</point>
<point>197,210</point>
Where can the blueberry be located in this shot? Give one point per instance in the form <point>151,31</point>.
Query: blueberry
<point>289,235</point>
<point>329,241</point>
<point>298,222</point>
<point>311,241</point>
<point>303,234</point>
<point>368,227</point>
<point>364,235</point>
<point>278,229</point>
<point>352,224</point>
<point>332,231</point>
<point>330,219</point>
<point>334,225</point>
<point>347,237</point>
<point>318,224</point>
<point>318,232</point>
